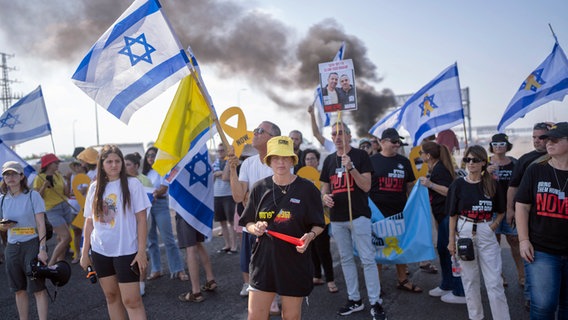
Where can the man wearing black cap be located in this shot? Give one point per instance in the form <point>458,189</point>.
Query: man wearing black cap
<point>392,180</point>
<point>542,221</point>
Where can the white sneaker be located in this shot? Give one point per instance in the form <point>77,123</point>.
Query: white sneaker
<point>437,292</point>
<point>451,298</point>
<point>244,291</point>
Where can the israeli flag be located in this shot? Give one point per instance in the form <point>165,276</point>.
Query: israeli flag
<point>324,119</point>
<point>7,154</point>
<point>548,82</point>
<point>191,186</point>
<point>133,62</point>
<point>25,120</point>
<point>435,107</point>
<point>391,120</point>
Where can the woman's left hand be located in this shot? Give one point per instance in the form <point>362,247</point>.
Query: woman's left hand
<point>42,256</point>
<point>306,238</point>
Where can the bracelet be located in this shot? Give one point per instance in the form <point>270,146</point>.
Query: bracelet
<point>315,235</point>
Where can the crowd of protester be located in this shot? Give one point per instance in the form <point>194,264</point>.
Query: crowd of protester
<point>475,201</point>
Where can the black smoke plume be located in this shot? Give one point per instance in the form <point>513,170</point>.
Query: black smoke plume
<point>235,40</point>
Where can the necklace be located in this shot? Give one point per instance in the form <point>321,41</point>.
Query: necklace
<point>286,187</point>
<point>561,193</point>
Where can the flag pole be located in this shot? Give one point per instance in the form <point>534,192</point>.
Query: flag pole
<point>212,112</point>
<point>346,171</point>
<point>553,34</point>
<point>52,143</point>
<point>97,123</point>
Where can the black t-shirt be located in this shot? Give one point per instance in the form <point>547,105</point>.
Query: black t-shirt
<point>542,187</point>
<point>441,176</point>
<point>524,162</point>
<point>388,187</point>
<point>468,200</point>
<point>275,265</point>
<point>334,174</point>
<point>503,177</point>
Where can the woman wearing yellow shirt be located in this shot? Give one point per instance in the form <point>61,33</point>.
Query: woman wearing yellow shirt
<point>54,190</point>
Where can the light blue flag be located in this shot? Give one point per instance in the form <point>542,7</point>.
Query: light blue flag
<point>25,120</point>
<point>7,154</point>
<point>318,97</point>
<point>391,120</point>
<point>406,237</point>
<point>548,82</point>
<point>133,62</point>
<point>435,107</point>
<point>191,185</point>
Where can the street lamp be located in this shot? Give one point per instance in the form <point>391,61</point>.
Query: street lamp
<point>74,144</point>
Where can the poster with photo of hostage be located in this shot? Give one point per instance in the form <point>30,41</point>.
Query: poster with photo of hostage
<point>337,80</point>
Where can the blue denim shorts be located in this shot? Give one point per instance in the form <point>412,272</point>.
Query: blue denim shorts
<point>505,228</point>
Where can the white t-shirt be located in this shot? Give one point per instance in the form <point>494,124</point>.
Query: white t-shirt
<point>156,178</point>
<point>115,231</point>
<point>253,170</point>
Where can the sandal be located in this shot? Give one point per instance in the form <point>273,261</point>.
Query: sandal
<point>191,297</point>
<point>211,285</point>
<point>317,281</point>
<point>182,276</point>
<point>223,250</point>
<point>331,287</point>
<point>154,276</point>
<point>429,268</point>
<point>413,288</point>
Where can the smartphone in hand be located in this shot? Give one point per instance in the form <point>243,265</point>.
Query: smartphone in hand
<point>135,269</point>
<point>7,221</point>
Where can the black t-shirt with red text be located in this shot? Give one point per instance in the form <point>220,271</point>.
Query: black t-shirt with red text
<point>390,178</point>
<point>468,200</point>
<point>334,174</point>
<point>544,188</point>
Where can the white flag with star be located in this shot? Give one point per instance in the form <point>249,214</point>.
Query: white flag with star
<point>133,62</point>
<point>25,120</point>
<point>435,107</point>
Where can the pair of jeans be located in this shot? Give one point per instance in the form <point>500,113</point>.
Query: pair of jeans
<point>359,237</point>
<point>550,272</point>
<point>449,282</point>
<point>160,219</point>
<point>488,259</point>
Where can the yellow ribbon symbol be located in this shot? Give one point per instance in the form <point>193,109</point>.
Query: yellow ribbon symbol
<point>80,179</point>
<point>391,244</point>
<point>415,154</point>
<point>240,134</point>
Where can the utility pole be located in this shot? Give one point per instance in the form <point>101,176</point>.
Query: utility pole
<point>5,83</point>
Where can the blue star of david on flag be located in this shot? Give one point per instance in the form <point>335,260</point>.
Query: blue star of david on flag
<point>427,105</point>
<point>533,81</point>
<point>9,121</point>
<point>129,51</point>
<point>195,176</point>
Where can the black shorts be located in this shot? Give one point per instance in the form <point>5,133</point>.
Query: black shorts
<point>187,235</point>
<point>224,208</point>
<point>119,266</point>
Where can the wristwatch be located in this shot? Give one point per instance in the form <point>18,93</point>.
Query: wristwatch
<point>352,167</point>
<point>42,248</point>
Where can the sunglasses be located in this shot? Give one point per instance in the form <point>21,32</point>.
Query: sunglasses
<point>469,160</point>
<point>498,144</point>
<point>150,155</point>
<point>394,141</point>
<point>553,139</point>
<point>261,131</point>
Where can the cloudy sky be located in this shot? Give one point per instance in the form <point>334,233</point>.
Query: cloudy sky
<point>263,56</point>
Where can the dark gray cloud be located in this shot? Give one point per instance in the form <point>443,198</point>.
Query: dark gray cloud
<point>237,41</point>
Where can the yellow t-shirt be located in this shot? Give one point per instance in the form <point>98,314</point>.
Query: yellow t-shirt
<point>54,195</point>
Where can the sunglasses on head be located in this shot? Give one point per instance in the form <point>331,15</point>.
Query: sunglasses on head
<point>542,126</point>
<point>498,144</point>
<point>261,131</point>
<point>469,160</point>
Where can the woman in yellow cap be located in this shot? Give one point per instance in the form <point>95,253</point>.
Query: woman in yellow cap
<point>290,205</point>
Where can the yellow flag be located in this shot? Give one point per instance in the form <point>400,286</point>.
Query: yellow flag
<point>188,116</point>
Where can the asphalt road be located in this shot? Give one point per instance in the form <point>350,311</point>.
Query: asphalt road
<point>80,299</point>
